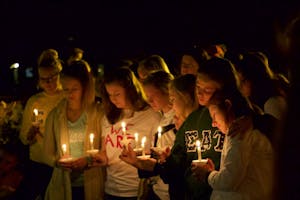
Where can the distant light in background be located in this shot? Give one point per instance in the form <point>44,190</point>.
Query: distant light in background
<point>15,66</point>
<point>100,70</point>
<point>71,38</point>
<point>29,72</point>
<point>15,69</point>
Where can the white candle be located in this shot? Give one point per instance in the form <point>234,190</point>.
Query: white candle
<point>136,138</point>
<point>92,140</point>
<point>198,144</point>
<point>123,124</point>
<point>35,113</point>
<point>64,148</point>
<point>143,145</point>
<point>159,136</point>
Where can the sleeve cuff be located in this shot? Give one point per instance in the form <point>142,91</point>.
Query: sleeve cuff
<point>209,176</point>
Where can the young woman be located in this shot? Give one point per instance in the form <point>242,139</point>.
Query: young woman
<point>214,74</point>
<point>68,130</point>
<point>33,124</point>
<point>126,113</point>
<point>246,169</point>
<point>260,85</point>
<point>156,87</point>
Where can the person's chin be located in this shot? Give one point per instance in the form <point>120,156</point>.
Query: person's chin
<point>202,103</point>
<point>49,90</point>
<point>118,106</point>
<point>156,108</point>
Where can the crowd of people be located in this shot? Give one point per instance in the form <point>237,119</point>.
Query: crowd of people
<point>204,129</point>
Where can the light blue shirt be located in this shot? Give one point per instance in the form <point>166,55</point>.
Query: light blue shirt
<point>77,131</point>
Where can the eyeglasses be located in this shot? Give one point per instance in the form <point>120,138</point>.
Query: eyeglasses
<point>49,79</point>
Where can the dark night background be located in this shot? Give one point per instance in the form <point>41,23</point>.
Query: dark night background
<point>106,30</point>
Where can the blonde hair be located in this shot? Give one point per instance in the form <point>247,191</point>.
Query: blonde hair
<point>153,63</point>
<point>49,59</point>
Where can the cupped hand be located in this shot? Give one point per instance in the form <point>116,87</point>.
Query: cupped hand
<point>128,155</point>
<point>99,159</point>
<point>164,155</point>
<point>32,133</point>
<point>200,170</point>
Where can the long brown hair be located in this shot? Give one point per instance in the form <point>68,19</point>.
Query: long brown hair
<point>124,77</point>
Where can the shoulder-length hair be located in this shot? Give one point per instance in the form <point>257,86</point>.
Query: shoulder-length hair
<point>81,71</point>
<point>239,104</point>
<point>153,63</point>
<point>124,77</point>
<point>254,67</point>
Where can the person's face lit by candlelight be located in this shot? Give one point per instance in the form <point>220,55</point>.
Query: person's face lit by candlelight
<point>219,119</point>
<point>73,90</point>
<point>156,98</point>
<point>117,95</point>
<point>178,101</point>
<point>48,79</point>
<point>205,89</point>
<point>188,65</point>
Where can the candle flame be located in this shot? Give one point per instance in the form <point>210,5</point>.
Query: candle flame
<point>136,136</point>
<point>92,140</point>
<point>198,144</point>
<point>92,137</point>
<point>143,141</point>
<point>159,129</point>
<point>64,148</point>
<point>123,124</point>
<point>35,112</point>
